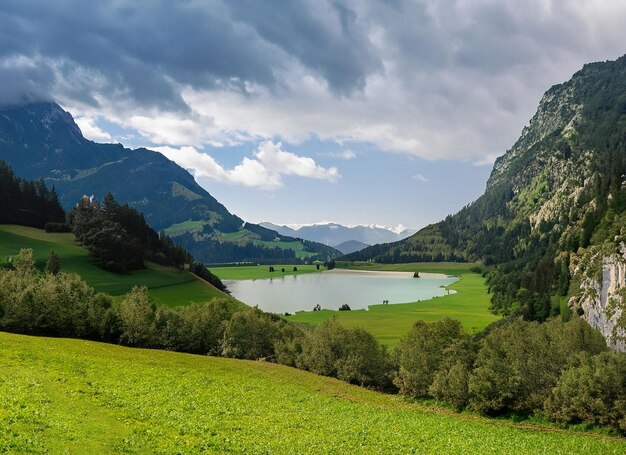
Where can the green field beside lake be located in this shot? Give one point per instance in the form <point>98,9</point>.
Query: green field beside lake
<point>167,285</point>
<point>389,323</point>
<point>256,272</point>
<point>74,396</point>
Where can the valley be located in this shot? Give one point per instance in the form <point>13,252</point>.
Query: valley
<point>146,307</point>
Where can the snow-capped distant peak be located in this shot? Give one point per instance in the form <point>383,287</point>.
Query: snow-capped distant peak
<point>332,233</point>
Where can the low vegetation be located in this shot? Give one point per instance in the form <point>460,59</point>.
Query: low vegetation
<point>137,401</point>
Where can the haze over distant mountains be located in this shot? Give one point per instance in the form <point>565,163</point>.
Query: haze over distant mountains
<point>334,234</point>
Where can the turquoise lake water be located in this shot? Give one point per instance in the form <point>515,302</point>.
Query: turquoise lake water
<point>337,287</point>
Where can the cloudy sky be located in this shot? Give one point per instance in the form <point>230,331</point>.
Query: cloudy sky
<point>372,112</point>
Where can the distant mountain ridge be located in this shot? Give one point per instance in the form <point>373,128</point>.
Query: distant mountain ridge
<point>334,234</point>
<point>351,246</point>
<point>41,140</point>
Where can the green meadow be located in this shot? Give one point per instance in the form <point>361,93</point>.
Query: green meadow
<point>255,272</point>
<point>167,285</point>
<point>389,323</point>
<point>125,400</point>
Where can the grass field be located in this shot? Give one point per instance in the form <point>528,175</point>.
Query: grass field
<point>448,268</point>
<point>167,285</point>
<point>255,272</point>
<point>389,323</point>
<point>73,396</point>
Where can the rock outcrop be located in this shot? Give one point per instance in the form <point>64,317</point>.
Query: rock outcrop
<point>602,297</point>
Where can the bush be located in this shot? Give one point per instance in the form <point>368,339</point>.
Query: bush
<point>250,335</point>
<point>138,317</point>
<point>591,390</point>
<point>344,307</point>
<point>519,363</point>
<point>197,328</point>
<point>363,361</point>
<point>288,345</point>
<point>47,304</point>
<point>420,354</point>
<point>451,382</point>
<point>354,355</point>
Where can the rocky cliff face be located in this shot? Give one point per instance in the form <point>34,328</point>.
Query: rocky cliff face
<point>602,298</point>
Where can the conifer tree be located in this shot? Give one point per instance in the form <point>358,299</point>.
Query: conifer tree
<point>53,266</point>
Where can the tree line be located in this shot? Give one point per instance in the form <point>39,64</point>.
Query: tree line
<point>120,239</point>
<point>26,202</point>
<point>562,371</point>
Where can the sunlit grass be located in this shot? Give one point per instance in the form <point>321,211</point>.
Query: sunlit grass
<point>72,396</point>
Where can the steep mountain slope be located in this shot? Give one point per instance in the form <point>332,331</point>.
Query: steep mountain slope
<point>41,140</point>
<point>333,234</point>
<point>553,213</point>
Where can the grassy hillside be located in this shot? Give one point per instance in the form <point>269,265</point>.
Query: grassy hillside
<point>389,323</point>
<point>140,401</point>
<point>167,285</point>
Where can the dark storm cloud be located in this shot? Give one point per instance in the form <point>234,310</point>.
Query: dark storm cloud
<point>326,37</point>
<point>143,50</point>
<point>434,78</point>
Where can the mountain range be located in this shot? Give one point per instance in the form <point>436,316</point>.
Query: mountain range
<point>552,221</point>
<point>41,140</point>
<point>334,234</point>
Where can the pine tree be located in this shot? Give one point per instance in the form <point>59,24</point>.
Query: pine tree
<point>53,266</point>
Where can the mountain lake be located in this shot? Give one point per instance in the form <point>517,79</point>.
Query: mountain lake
<point>334,288</point>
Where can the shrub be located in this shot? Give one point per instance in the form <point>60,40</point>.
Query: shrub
<point>591,390</point>
<point>202,327</point>
<point>420,354</point>
<point>363,361</point>
<point>322,347</point>
<point>451,382</point>
<point>250,335</point>
<point>354,355</point>
<point>137,316</point>
<point>53,265</point>
<point>519,363</point>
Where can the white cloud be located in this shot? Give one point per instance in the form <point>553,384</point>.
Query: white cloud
<point>91,131</point>
<point>265,170</point>
<point>488,160</point>
<point>419,178</point>
<point>344,154</point>
<point>286,163</point>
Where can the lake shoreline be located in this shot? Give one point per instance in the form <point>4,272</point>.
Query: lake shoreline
<point>337,288</point>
